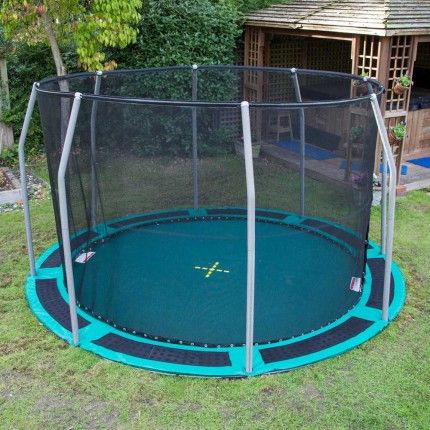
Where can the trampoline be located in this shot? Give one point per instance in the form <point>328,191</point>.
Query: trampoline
<point>191,240</point>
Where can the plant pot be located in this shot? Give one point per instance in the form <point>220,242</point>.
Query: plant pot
<point>393,139</point>
<point>399,89</point>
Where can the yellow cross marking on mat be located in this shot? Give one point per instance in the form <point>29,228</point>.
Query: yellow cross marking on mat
<point>210,270</point>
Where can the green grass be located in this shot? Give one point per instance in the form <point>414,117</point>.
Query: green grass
<point>383,384</point>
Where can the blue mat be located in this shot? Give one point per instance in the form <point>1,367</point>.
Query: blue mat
<point>311,151</point>
<point>356,165</point>
<point>423,162</point>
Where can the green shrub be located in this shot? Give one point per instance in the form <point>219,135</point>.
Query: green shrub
<point>27,64</point>
<point>9,156</point>
<point>175,32</point>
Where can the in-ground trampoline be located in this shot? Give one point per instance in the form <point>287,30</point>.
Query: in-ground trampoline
<point>214,220</point>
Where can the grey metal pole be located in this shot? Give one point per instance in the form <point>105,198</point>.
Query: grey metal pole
<point>64,216</point>
<point>391,204</point>
<point>195,154</point>
<point>93,205</point>
<point>250,189</point>
<point>384,203</point>
<point>23,177</point>
<point>302,142</point>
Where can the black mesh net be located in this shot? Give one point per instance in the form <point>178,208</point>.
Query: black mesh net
<point>157,197</point>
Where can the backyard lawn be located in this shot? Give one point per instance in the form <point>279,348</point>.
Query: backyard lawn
<point>383,384</point>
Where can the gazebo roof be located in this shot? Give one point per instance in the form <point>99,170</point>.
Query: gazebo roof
<point>376,17</point>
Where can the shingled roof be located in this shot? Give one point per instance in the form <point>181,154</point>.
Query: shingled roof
<point>376,17</point>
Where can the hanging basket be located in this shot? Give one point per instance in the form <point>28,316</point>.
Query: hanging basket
<point>400,89</point>
<point>393,139</point>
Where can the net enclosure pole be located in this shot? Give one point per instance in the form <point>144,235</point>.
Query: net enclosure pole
<point>384,203</point>
<point>391,204</point>
<point>383,185</point>
<point>64,217</point>
<point>250,193</point>
<point>194,129</point>
<point>302,141</point>
<point>94,150</point>
<point>23,177</point>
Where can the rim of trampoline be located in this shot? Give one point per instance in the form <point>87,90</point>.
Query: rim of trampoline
<point>374,87</point>
<point>356,326</point>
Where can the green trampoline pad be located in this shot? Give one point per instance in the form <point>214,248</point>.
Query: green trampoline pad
<point>186,281</point>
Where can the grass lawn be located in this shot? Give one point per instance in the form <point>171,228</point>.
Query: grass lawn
<point>384,384</point>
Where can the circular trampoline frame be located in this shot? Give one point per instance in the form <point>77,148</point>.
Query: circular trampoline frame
<point>48,296</point>
<point>48,299</point>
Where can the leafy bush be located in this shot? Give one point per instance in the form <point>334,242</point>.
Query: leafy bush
<point>26,65</point>
<point>174,32</point>
<point>9,156</point>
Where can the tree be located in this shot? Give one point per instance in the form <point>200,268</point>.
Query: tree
<point>91,25</point>
<point>6,132</point>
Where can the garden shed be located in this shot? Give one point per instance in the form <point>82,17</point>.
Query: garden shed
<point>381,38</point>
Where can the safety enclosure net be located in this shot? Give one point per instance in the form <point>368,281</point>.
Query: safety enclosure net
<point>157,197</point>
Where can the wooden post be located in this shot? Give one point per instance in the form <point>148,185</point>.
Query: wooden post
<point>6,133</point>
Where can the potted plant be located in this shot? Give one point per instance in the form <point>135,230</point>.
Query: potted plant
<point>397,133</point>
<point>360,85</point>
<point>402,84</point>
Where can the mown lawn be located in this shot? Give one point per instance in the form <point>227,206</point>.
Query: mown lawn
<point>384,384</point>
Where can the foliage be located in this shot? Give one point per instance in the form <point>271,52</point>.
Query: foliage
<point>405,81</point>
<point>9,156</point>
<point>26,65</point>
<point>399,130</point>
<point>90,25</point>
<point>109,24</point>
<point>174,32</point>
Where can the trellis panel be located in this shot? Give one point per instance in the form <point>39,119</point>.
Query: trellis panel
<point>400,64</point>
<point>369,50</point>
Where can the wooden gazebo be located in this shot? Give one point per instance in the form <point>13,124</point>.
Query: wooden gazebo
<point>383,38</point>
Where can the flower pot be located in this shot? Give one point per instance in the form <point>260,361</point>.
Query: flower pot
<point>393,139</point>
<point>399,89</point>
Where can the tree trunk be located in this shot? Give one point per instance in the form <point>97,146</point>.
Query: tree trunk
<point>47,25</point>
<point>6,133</point>
<point>61,71</point>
